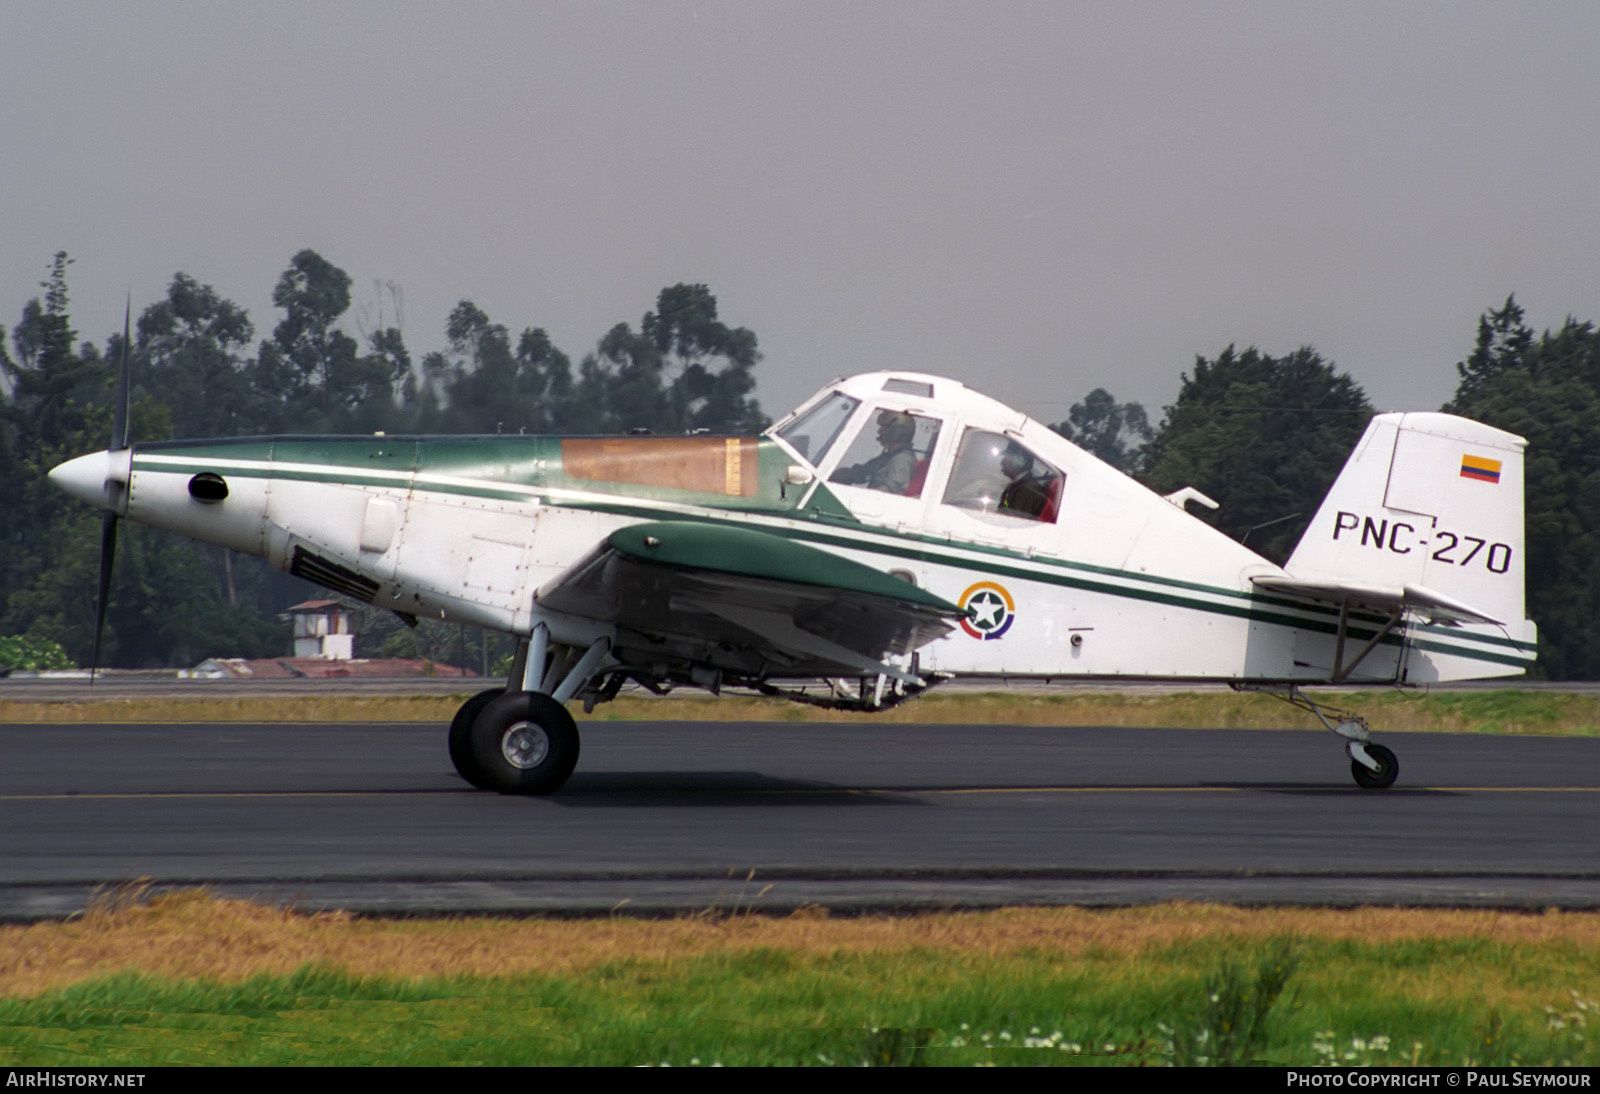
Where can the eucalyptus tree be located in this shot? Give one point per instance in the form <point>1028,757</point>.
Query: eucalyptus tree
<point>1547,389</point>
<point>682,370</point>
<point>1264,436</point>
<point>312,371</point>
<point>193,347</point>
<point>1115,432</point>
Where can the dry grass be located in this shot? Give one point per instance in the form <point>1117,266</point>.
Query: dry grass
<point>1505,711</point>
<point>195,936</point>
<point>312,708</point>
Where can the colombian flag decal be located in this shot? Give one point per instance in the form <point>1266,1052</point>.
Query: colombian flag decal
<point>1476,467</point>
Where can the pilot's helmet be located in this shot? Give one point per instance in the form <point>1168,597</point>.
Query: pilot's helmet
<point>896,427</point>
<point>1016,460</point>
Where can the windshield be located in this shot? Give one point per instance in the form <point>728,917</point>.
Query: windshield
<point>814,432</point>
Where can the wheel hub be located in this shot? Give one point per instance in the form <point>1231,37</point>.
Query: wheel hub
<point>525,745</point>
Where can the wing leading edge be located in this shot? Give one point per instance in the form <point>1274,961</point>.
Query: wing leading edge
<point>748,602</point>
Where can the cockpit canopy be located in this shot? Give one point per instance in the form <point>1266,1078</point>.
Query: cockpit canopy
<point>907,436</point>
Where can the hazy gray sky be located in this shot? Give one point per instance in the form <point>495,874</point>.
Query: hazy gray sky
<point>1037,199</point>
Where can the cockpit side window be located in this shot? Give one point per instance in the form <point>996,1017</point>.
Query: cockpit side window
<point>994,473</point>
<point>814,432</point>
<point>890,455</point>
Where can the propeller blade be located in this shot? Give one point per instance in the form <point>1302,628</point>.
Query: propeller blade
<point>108,522</point>
<point>119,420</point>
<point>108,554</point>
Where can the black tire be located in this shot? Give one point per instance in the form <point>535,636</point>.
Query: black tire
<point>1381,779</point>
<point>524,743</point>
<point>461,734</point>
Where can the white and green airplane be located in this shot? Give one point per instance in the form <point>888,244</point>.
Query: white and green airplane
<point>896,531</point>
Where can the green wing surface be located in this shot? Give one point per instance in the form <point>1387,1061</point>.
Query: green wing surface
<point>747,601</point>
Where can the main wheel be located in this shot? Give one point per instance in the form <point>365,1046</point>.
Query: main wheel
<point>460,734</point>
<point>1381,779</point>
<point>523,743</point>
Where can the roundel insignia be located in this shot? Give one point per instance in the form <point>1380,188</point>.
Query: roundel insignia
<point>990,610</point>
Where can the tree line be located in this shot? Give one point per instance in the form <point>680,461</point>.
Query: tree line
<point>199,371</point>
<point>1262,435</point>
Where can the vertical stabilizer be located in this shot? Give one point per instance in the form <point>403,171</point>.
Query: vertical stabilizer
<point>1430,502</point>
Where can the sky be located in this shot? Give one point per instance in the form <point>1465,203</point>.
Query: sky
<point>1037,199</point>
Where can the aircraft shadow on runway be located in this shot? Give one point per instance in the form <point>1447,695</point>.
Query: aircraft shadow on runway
<point>699,789</point>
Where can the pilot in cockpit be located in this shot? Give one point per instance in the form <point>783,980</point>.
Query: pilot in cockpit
<point>891,469</point>
<point>1025,494</point>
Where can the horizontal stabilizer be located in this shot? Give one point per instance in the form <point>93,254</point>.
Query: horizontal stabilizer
<point>1382,598</point>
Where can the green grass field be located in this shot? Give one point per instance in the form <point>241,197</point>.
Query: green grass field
<point>189,979</point>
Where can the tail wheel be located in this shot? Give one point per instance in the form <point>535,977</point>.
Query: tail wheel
<point>1381,779</point>
<point>460,734</point>
<point>524,742</point>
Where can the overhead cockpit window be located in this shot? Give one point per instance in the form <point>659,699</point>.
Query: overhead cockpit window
<point>814,432</point>
<point>909,387</point>
<point>994,473</point>
<point>890,454</point>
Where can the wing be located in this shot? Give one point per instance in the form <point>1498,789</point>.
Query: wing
<point>753,603</point>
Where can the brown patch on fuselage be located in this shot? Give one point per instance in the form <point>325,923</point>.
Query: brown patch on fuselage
<point>706,465</point>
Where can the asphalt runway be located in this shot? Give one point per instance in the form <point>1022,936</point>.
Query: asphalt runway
<point>671,817</point>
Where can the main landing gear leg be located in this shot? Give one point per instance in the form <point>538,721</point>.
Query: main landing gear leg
<point>520,739</point>
<point>1373,766</point>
